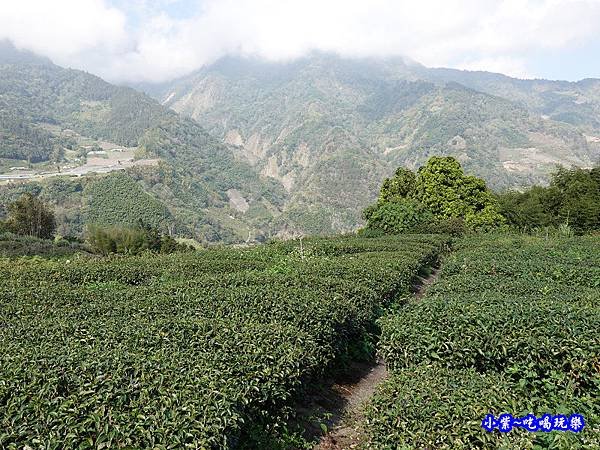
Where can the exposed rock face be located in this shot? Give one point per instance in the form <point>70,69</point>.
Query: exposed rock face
<point>458,143</point>
<point>237,201</point>
<point>329,129</point>
<point>233,137</point>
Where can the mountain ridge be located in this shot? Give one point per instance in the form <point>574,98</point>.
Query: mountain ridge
<point>387,113</point>
<point>196,170</point>
<point>250,149</point>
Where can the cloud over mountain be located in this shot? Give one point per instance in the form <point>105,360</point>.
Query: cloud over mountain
<point>157,40</point>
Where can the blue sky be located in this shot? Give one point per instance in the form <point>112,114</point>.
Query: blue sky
<point>157,40</point>
<point>138,10</point>
<point>573,63</point>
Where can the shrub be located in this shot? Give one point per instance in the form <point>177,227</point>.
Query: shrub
<point>4,227</point>
<point>520,310</point>
<point>453,226</point>
<point>12,245</point>
<point>130,240</point>
<point>370,232</point>
<point>187,349</point>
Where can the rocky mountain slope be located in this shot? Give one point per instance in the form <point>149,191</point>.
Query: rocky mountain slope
<point>329,129</point>
<point>248,149</point>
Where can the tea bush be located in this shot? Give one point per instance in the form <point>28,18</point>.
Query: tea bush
<point>185,350</point>
<point>522,310</point>
<point>12,245</point>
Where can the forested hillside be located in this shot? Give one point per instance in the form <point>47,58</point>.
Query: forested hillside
<point>192,181</point>
<point>573,103</point>
<point>288,148</point>
<point>328,128</point>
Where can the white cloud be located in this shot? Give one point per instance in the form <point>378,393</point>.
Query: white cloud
<point>475,34</point>
<point>514,67</point>
<point>63,29</point>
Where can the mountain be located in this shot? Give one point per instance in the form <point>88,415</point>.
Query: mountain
<point>245,149</point>
<point>329,129</point>
<point>575,103</point>
<point>47,116</point>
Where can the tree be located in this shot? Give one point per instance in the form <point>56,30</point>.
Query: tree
<point>573,199</point>
<point>399,216</point>
<point>31,217</point>
<point>438,197</point>
<point>580,198</point>
<point>401,185</point>
<point>447,192</point>
<point>58,154</point>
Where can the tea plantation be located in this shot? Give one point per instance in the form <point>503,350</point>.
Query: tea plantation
<point>192,350</point>
<point>512,326</point>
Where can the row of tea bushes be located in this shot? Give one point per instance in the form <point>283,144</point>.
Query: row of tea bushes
<point>184,350</point>
<point>512,326</point>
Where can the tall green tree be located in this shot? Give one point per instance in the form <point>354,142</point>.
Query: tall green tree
<point>439,193</point>
<point>447,192</point>
<point>31,217</point>
<point>401,185</point>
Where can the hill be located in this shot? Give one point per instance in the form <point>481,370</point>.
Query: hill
<point>575,103</point>
<point>43,105</point>
<point>328,128</point>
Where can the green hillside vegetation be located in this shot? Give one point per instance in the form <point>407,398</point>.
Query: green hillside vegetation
<point>63,195</point>
<point>326,126</point>
<point>31,224</point>
<point>574,103</point>
<point>118,200</point>
<point>121,198</point>
<point>572,199</point>
<point>201,349</point>
<point>196,171</point>
<point>40,92</point>
<point>308,164</point>
<point>20,140</point>
<point>511,326</point>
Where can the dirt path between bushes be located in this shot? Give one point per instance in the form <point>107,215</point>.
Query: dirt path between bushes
<point>343,402</point>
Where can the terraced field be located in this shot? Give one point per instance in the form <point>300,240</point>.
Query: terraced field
<point>188,350</point>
